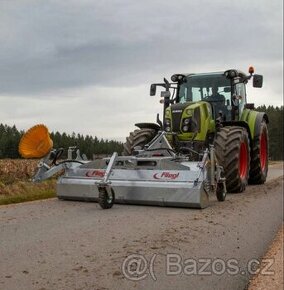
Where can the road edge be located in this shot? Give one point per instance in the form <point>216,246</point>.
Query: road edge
<point>274,281</point>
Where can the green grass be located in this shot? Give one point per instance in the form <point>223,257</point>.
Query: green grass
<point>17,198</point>
<point>27,191</point>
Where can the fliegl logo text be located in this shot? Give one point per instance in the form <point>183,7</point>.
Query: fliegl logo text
<point>166,175</point>
<point>95,173</point>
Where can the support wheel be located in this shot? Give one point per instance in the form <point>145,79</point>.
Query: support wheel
<point>221,192</point>
<point>139,137</point>
<point>259,156</point>
<point>233,153</point>
<point>106,200</point>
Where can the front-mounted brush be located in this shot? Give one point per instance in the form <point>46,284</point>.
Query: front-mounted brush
<point>156,175</point>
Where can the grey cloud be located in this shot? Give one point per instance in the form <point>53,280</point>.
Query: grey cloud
<point>54,45</point>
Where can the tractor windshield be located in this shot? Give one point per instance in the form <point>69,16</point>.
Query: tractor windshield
<point>214,87</point>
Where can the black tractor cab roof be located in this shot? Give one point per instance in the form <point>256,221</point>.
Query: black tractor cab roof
<point>231,73</point>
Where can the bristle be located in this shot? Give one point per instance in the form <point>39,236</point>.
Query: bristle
<point>36,142</point>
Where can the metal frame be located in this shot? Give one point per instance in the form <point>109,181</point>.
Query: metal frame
<point>168,180</point>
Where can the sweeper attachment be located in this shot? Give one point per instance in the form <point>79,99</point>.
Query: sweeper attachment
<point>156,175</point>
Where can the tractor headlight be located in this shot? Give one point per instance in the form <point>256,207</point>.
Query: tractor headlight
<point>168,122</point>
<point>168,125</point>
<point>189,111</point>
<point>232,73</point>
<point>186,121</point>
<point>185,128</point>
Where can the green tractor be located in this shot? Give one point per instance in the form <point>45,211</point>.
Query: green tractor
<point>211,108</point>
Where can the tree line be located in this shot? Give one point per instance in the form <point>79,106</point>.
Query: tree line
<point>10,137</point>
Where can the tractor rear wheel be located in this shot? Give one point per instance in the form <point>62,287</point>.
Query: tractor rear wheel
<point>233,153</point>
<point>138,138</point>
<point>259,156</point>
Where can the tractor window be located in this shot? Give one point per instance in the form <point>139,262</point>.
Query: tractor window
<point>240,96</point>
<point>213,88</point>
<point>183,94</point>
<point>196,94</point>
<point>203,87</point>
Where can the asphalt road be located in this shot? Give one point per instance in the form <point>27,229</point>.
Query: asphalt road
<point>56,244</point>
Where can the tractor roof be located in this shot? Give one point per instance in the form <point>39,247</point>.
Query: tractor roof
<point>238,73</point>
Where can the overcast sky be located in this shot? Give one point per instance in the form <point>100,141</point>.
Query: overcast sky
<point>86,66</point>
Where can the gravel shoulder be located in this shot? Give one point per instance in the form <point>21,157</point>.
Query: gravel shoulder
<point>271,276</point>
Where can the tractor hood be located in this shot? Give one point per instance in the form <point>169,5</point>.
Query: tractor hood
<point>186,114</point>
<point>190,119</point>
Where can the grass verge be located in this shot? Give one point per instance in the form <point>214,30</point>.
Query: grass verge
<point>22,191</point>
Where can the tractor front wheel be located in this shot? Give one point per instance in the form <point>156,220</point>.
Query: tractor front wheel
<point>233,153</point>
<point>138,138</point>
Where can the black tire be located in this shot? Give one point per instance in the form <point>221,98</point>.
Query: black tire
<point>259,156</point>
<point>106,201</point>
<point>233,153</point>
<point>139,137</point>
<point>220,192</point>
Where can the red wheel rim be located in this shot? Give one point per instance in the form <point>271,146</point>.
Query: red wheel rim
<point>263,151</point>
<point>243,163</point>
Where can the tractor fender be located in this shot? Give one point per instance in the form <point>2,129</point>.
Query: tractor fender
<point>254,119</point>
<point>148,126</point>
<point>240,124</point>
<point>259,118</point>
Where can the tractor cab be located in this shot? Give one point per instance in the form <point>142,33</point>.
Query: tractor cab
<point>214,88</point>
<point>224,91</point>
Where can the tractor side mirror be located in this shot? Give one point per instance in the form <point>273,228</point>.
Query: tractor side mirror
<point>153,90</point>
<point>257,81</point>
